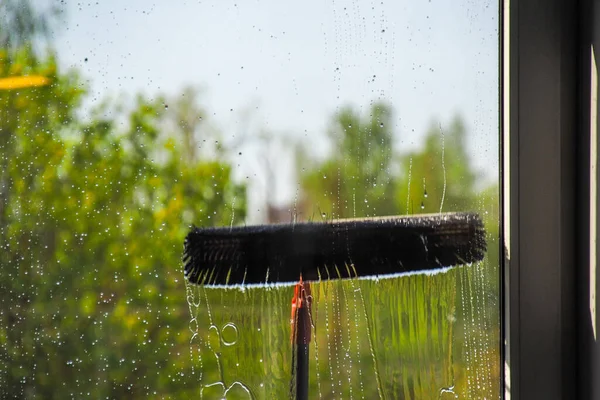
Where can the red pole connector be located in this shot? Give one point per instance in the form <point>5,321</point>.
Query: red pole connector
<point>301,310</point>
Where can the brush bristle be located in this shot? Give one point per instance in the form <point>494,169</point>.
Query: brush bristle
<point>332,250</point>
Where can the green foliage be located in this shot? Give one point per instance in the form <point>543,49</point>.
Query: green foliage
<point>361,176</point>
<point>92,220</point>
<point>355,180</point>
<point>438,177</point>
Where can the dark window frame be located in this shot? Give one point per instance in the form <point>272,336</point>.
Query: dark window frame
<point>549,197</point>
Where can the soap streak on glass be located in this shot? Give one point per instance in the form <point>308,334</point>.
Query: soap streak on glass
<point>372,338</point>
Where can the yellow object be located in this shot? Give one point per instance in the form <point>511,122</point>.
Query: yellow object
<point>20,82</point>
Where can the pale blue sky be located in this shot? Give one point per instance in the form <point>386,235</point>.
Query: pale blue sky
<point>295,63</point>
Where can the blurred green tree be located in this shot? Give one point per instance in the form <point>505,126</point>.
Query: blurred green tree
<point>356,180</point>
<point>364,176</point>
<point>438,177</point>
<point>90,241</point>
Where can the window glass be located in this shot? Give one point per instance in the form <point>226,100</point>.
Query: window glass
<point>122,124</point>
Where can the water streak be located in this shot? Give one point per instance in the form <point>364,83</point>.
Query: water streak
<point>443,169</point>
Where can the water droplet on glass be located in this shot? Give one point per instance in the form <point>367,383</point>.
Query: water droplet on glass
<point>229,334</point>
<point>448,393</point>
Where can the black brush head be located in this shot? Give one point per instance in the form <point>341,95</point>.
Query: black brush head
<point>282,253</point>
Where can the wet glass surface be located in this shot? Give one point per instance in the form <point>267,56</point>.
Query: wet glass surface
<point>124,124</point>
